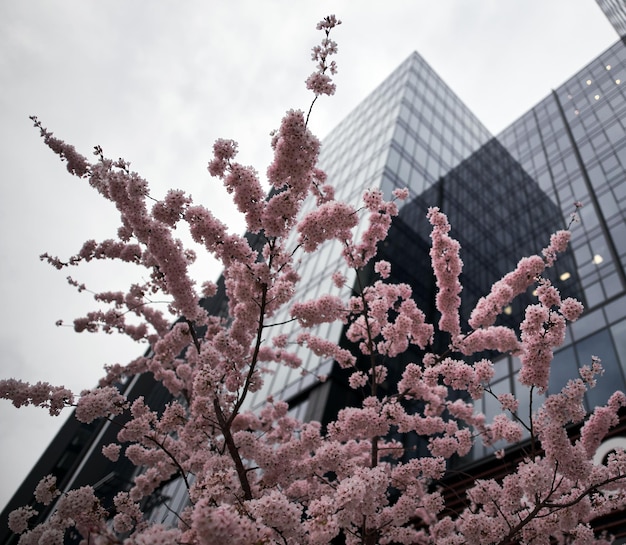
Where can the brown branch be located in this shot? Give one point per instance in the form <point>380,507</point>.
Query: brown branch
<point>171,457</point>
<point>513,414</point>
<point>370,349</point>
<point>232,450</point>
<point>555,507</point>
<point>280,323</point>
<point>306,123</point>
<point>588,491</point>
<point>194,337</point>
<point>255,355</point>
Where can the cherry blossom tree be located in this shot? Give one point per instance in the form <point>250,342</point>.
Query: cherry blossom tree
<point>265,477</point>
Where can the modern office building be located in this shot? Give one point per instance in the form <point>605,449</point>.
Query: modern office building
<point>504,196</point>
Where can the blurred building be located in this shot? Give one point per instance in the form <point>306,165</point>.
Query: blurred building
<point>504,196</point>
<point>615,11</point>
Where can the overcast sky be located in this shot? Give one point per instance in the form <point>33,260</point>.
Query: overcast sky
<point>157,81</point>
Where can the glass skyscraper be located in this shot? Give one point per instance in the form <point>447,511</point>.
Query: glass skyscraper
<point>573,144</point>
<point>409,132</point>
<point>504,196</point>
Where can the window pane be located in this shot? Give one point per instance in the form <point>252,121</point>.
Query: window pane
<point>619,337</point>
<point>562,369</point>
<point>601,345</point>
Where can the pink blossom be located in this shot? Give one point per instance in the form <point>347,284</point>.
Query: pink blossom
<point>76,163</point>
<point>357,380</point>
<point>172,208</point>
<point>42,394</point>
<point>331,220</point>
<point>224,525</point>
<point>111,451</point>
<point>327,308</point>
<point>328,22</point>
<point>503,291</point>
<point>508,402</point>
<point>503,428</point>
<point>82,507</point>
<point>339,279</point>
<point>401,193</point>
<point>323,347</point>
<point>500,338</point>
<point>447,266</point>
<point>280,341</point>
<point>548,295</point>
<point>558,244</point>
<point>320,84</point>
<point>383,268</point>
<point>571,309</point>
<point>46,490</point>
<point>18,519</point>
<point>99,403</point>
<point>358,254</point>
<point>223,151</point>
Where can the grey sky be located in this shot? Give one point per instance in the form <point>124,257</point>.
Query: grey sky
<point>157,81</point>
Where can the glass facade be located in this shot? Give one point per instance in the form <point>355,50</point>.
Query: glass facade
<point>504,196</point>
<point>409,132</point>
<point>573,144</point>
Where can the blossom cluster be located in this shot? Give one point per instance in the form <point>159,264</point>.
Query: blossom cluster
<point>380,213</point>
<point>447,266</point>
<point>390,320</point>
<point>41,394</point>
<point>320,82</point>
<point>543,330</point>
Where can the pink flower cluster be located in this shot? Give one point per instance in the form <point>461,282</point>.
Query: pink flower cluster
<point>500,338</point>
<point>319,82</point>
<point>292,173</point>
<point>107,249</point>
<point>172,208</point>
<point>323,347</point>
<point>76,163</point>
<point>46,490</point>
<point>331,220</point>
<point>543,329</point>
<point>390,321</point>
<point>600,422</point>
<point>99,403</point>
<point>505,290</point>
<point>223,152</point>
<point>18,519</point>
<point>327,308</point>
<point>42,394</point>
<point>558,244</point>
<point>359,254</point>
<point>128,514</point>
<point>112,451</point>
<point>383,268</point>
<point>447,266</point>
<point>78,509</point>
<point>241,181</point>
